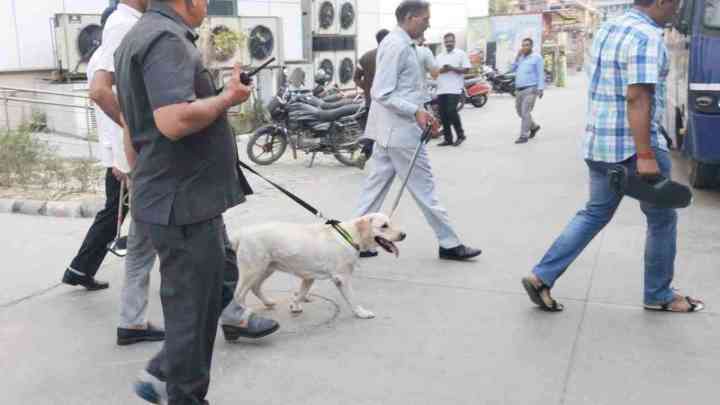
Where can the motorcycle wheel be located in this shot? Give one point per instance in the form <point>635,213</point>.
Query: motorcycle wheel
<point>479,100</point>
<point>266,146</point>
<point>349,156</point>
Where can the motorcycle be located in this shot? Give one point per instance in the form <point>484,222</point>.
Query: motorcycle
<point>501,83</point>
<point>309,124</point>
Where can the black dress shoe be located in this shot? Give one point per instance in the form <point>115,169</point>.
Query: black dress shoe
<point>534,131</point>
<point>365,254</point>
<point>445,143</point>
<point>254,328</point>
<point>129,336</point>
<point>461,252</point>
<point>72,278</point>
<point>460,140</point>
<point>522,139</point>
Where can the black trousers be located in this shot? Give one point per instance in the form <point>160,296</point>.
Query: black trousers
<point>365,143</point>
<point>449,116</point>
<point>102,231</point>
<point>193,261</point>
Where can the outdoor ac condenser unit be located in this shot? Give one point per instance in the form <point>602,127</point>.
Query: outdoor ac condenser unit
<point>263,40</point>
<point>321,16</point>
<point>345,63</point>
<point>77,36</point>
<point>222,42</point>
<point>347,17</point>
<point>300,76</point>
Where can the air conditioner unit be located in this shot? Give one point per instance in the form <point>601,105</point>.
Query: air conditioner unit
<point>300,76</point>
<point>323,16</point>
<point>345,65</point>
<point>347,17</point>
<point>222,42</point>
<point>327,62</point>
<point>264,40</point>
<point>77,36</point>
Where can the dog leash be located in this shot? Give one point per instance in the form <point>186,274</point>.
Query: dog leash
<point>424,138</point>
<point>335,224</point>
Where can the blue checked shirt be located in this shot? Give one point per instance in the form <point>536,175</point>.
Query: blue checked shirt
<point>627,50</point>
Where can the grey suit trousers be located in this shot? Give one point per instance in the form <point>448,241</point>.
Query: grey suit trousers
<point>385,164</point>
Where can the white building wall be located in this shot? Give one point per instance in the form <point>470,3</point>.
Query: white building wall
<point>446,16</point>
<point>26,29</point>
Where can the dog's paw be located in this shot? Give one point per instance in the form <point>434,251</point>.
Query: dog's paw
<point>269,304</point>
<point>363,313</point>
<point>295,308</point>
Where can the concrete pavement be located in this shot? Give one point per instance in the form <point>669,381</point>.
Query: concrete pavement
<point>446,333</point>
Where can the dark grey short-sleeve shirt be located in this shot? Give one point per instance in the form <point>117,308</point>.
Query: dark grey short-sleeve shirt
<point>174,182</point>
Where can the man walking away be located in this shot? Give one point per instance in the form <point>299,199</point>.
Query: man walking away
<point>629,67</point>
<point>364,76</point>
<point>529,71</point>
<point>454,64</point>
<point>397,119</point>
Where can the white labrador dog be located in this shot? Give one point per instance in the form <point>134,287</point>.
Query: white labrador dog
<point>311,252</point>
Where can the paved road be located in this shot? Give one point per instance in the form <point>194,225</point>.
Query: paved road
<point>446,333</point>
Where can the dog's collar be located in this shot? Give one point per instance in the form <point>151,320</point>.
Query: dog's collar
<point>345,235</point>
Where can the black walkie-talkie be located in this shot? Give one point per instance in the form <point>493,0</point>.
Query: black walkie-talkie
<point>246,77</point>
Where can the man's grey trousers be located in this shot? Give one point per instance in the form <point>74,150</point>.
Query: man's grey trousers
<point>524,104</point>
<point>385,164</point>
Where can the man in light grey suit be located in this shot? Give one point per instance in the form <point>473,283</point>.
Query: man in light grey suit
<point>396,121</point>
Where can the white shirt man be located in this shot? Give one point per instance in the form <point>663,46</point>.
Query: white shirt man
<point>452,82</point>
<point>453,65</point>
<point>117,26</point>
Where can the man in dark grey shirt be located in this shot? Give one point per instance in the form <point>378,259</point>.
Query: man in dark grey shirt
<point>185,177</point>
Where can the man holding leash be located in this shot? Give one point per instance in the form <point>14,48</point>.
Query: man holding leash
<point>185,177</point>
<point>396,121</point>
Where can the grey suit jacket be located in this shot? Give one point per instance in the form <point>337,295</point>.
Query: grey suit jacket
<point>398,92</point>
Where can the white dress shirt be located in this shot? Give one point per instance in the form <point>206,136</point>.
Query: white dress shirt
<point>112,151</point>
<point>451,82</point>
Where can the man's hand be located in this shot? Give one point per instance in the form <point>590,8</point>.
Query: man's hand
<point>648,168</point>
<point>119,175</point>
<point>235,92</point>
<point>424,119</point>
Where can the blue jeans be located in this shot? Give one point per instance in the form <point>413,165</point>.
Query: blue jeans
<point>661,237</point>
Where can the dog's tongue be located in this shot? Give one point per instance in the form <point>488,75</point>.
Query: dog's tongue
<point>394,249</point>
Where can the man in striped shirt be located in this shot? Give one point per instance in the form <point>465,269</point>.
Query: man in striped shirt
<point>628,70</point>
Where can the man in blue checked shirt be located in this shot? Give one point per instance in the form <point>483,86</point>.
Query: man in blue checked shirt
<point>628,70</point>
<point>529,71</point>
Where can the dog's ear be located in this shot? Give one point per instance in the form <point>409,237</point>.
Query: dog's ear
<point>364,226</point>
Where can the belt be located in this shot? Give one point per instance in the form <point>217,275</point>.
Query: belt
<point>525,87</point>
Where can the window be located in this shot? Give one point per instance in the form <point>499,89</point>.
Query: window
<point>222,8</point>
<point>712,13</point>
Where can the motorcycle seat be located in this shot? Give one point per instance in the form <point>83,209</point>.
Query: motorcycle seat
<point>315,114</point>
<point>327,105</point>
<point>470,82</point>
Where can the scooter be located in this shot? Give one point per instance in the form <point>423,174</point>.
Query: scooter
<point>476,91</point>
